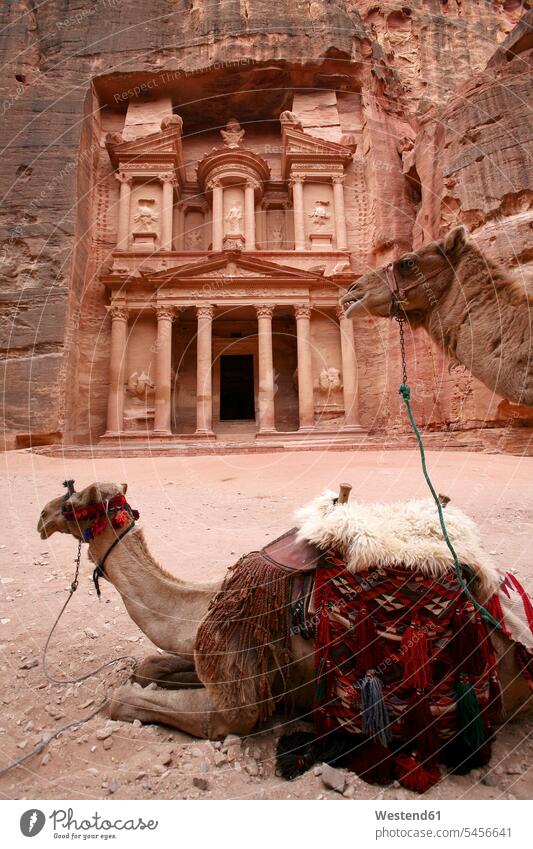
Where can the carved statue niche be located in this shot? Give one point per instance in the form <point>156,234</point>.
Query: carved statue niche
<point>320,214</point>
<point>194,241</point>
<point>140,394</point>
<point>146,217</point>
<point>276,229</point>
<point>234,220</point>
<point>233,134</point>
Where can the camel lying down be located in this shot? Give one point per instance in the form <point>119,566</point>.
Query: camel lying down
<point>217,683</point>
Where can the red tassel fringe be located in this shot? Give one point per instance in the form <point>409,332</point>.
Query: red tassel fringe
<point>416,776</point>
<point>420,728</point>
<point>416,657</point>
<point>373,762</point>
<point>367,653</point>
<point>467,644</point>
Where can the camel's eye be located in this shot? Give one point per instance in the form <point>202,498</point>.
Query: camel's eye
<point>406,265</point>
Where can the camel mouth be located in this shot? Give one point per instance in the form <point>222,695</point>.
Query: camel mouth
<point>353,304</point>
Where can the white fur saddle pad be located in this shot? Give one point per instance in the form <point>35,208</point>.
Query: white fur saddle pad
<point>401,534</point>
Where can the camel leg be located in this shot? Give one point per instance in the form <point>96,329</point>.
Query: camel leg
<point>167,671</point>
<point>188,710</point>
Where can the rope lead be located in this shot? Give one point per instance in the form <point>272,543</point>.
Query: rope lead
<point>405,392</point>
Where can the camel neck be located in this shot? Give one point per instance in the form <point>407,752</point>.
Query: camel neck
<point>165,608</point>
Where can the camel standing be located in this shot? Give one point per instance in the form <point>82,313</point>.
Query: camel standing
<point>169,611</point>
<point>468,304</point>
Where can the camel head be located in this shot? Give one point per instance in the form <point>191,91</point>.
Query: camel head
<point>421,276</point>
<point>52,518</point>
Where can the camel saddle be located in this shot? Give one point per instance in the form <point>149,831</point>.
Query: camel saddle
<point>291,554</point>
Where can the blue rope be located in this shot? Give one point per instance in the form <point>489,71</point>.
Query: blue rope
<point>405,392</point>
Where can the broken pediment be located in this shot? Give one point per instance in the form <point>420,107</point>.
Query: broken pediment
<point>299,148</point>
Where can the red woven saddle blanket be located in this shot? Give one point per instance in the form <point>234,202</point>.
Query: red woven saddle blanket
<point>405,661</point>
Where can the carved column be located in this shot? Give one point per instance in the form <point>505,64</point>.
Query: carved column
<point>340,215</point>
<point>204,391</point>
<point>117,366</point>
<point>163,370</point>
<point>349,373</point>
<point>167,211</point>
<point>305,366</point>
<point>249,216</point>
<point>266,368</point>
<point>218,214</point>
<point>297,184</point>
<point>123,231</point>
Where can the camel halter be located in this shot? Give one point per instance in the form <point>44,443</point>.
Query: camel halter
<point>398,292</point>
<point>113,512</point>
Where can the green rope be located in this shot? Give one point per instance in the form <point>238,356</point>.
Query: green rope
<point>405,392</point>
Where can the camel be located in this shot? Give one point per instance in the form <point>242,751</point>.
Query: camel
<point>468,304</point>
<point>169,611</point>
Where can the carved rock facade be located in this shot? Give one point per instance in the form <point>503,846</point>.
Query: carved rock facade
<point>167,250</point>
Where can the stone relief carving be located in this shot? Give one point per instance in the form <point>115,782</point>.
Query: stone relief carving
<point>194,241</point>
<point>233,134</point>
<point>146,217</point>
<point>234,220</point>
<point>329,380</point>
<point>320,214</point>
<point>140,386</point>
<point>290,119</point>
<point>276,229</point>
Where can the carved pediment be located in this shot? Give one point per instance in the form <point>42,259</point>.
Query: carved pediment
<point>229,265</point>
<point>162,149</point>
<point>299,148</point>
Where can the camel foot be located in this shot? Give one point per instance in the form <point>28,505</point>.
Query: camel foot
<point>187,710</point>
<point>167,671</point>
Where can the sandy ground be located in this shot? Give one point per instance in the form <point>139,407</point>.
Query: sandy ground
<point>200,514</point>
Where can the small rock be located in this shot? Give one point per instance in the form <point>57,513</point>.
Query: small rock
<point>166,759</point>
<point>46,759</point>
<point>108,742</point>
<point>137,723</point>
<point>317,770</point>
<point>489,780</point>
<point>22,744</point>
<point>251,767</point>
<point>220,758</point>
<point>113,785</point>
<point>30,664</point>
<point>231,740</point>
<point>513,769</point>
<point>92,770</point>
<point>104,733</point>
<point>333,778</point>
<point>90,632</point>
<point>349,792</point>
<point>140,775</point>
<point>201,783</point>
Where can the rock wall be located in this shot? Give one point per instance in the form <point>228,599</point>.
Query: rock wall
<point>395,64</point>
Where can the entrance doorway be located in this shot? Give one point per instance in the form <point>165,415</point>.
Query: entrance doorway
<point>237,388</point>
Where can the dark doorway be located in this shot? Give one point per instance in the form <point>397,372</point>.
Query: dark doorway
<point>237,387</point>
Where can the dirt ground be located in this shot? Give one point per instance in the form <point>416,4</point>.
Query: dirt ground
<point>200,514</point>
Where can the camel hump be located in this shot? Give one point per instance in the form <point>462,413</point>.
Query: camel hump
<point>291,554</point>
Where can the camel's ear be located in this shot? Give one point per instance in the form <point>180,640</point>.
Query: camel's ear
<point>124,487</point>
<point>456,241</point>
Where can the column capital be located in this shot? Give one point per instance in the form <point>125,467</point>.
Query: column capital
<point>296,178</point>
<point>337,179</point>
<point>252,184</point>
<point>214,183</point>
<point>168,177</point>
<point>123,176</point>
<point>165,311</point>
<point>302,311</point>
<point>205,310</point>
<point>340,312</point>
<point>118,312</point>
<point>264,310</point>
